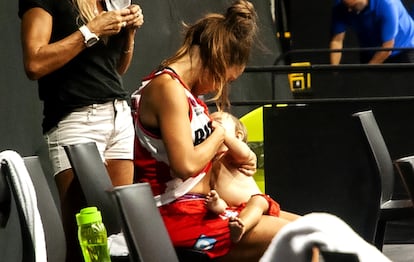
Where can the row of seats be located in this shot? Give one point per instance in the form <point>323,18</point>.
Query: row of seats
<point>390,209</point>
<point>144,231</point>
<point>122,209</point>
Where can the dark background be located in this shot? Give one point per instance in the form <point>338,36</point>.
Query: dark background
<point>306,21</point>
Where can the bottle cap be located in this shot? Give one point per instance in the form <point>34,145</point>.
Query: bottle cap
<point>88,215</point>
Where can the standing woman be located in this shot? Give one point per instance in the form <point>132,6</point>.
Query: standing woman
<point>177,140</point>
<point>78,50</point>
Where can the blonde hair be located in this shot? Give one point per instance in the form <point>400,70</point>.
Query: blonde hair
<point>224,41</point>
<point>239,127</point>
<point>86,10</point>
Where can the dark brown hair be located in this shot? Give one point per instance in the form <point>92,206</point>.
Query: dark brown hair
<point>224,41</point>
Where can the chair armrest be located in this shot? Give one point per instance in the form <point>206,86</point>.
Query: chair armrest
<point>405,168</point>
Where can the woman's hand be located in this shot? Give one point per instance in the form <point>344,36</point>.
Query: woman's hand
<point>136,18</point>
<point>111,23</point>
<point>218,127</point>
<point>133,20</point>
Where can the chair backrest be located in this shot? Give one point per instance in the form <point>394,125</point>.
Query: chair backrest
<point>52,225</point>
<point>144,230</point>
<point>319,147</point>
<point>50,216</point>
<point>405,168</point>
<point>94,179</point>
<point>8,202</point>
<point>5,200</point>
<point>380,152</point>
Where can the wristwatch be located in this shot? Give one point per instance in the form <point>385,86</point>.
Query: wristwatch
<point>90,38</point>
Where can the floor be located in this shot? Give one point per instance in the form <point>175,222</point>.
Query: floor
<point>400,241</point>
<point>399,252</point>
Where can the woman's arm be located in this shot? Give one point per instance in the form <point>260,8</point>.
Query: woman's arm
<point>136,21</point>
<point>41,57</point>
<point>164,105</point>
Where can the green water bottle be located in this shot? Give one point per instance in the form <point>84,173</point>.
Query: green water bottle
<point>92,235</point>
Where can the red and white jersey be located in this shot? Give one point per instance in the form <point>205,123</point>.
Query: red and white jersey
<point>150,156</point>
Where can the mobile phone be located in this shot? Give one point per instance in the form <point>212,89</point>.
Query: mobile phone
<point>112,5</point>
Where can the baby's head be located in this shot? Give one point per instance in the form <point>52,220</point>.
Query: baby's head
<point>231,124</point>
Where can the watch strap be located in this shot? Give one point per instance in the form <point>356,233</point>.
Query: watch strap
<point>88,36</point>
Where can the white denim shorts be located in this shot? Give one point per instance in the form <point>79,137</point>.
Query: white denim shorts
<point>109,125</point>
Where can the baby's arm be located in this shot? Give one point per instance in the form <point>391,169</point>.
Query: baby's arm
<point>240,155</point>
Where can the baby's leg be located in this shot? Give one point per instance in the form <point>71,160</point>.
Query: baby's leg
<point>248,217</point>
<point>237,229</point>
<point>214,203</point>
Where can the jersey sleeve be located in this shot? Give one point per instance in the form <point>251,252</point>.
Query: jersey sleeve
<point>25,5</point>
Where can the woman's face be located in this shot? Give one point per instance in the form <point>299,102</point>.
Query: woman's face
<point>205,85</point>
<point>233,73</point>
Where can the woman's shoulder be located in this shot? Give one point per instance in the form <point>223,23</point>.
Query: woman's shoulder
<point>165,83</point>
<point>164,90</point>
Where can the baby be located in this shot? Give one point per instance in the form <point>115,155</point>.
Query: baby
<point>232,180</point>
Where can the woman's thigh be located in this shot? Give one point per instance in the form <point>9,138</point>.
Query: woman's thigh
<point>254,242</point>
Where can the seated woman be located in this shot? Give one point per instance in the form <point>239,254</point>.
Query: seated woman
<point>176,139</point>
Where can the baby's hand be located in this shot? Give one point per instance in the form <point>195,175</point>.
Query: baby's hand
<point>248,170</point>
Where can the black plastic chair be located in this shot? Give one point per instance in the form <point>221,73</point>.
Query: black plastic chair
<point>91,172</point>
<point>390,209</point>
<point>329,256</point>
<point>144,230</point>
<point>94,179</point>
<point>405,167</point>
<point>52,226</point>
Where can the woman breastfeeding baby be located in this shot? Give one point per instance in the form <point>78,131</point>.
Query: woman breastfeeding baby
<point>177,142</point>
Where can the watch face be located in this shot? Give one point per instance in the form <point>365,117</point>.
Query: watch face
<point>92,41</point>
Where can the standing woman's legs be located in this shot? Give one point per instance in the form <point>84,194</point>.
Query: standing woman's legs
<point>110,126</point>
<point>118,156</point>
<point>72,201</point>
<point>121,172</point>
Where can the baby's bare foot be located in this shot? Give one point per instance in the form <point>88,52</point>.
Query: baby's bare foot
<point>214,203</point>
<point>236,229</point>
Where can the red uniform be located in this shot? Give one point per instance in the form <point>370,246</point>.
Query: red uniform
<point>186,217</point>
<point>188,221</point>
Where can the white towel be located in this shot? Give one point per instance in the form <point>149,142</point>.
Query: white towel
<point>26,195</point>
<point>294,241</point>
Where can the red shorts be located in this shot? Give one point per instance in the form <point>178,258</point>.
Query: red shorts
<point>191,225</point>
<point>274,208</point>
